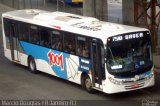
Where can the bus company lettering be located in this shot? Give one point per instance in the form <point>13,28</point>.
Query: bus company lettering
<point>55,59</point>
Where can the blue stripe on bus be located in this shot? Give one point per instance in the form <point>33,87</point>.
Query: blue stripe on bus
<point>39,52</point>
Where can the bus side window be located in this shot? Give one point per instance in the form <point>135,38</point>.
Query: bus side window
<point>34,38</point>
<point>57,39</point>
<point>6,32</point>
<point>45,37</point>
<point>82,46</point>
<point>24,32</point>
<point>6,27</point>
<point>69,43</point>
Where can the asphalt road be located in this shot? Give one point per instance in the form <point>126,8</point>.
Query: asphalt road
<point>17,83</point>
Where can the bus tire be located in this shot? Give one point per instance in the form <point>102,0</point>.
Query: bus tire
<point>88,84</point>
<point>32,65</point>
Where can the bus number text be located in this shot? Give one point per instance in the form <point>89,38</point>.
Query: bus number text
<point>55,59</point>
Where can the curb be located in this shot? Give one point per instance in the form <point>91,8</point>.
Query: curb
<point>157,66</point>
<point>157,69</point>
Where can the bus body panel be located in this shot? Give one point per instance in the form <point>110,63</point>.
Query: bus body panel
<point>68,66</point>
<point>116,85</point>
<point>63,65</point>
<point>112,88</point>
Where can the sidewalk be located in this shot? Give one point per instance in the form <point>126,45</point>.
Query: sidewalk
<point>156,61</point>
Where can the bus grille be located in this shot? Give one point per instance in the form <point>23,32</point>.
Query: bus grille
<point>134,86</point>
<point>139,80</point>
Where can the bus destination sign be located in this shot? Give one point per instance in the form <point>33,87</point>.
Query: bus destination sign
<point>127,37</point>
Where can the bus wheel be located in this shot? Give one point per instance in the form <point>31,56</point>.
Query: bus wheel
<point>32,65</point>
<point>88,84</point>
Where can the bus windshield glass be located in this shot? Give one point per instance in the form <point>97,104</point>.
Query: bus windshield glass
<point>129,54</point>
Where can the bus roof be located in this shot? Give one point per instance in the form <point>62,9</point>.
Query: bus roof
<point>72,23</point>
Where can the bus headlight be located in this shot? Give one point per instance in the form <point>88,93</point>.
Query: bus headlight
<point>149,77</point>
<point>114,81</point>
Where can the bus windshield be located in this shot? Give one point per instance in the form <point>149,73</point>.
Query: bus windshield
<point>129,54</point>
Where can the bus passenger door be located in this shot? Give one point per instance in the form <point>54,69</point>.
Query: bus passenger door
<point>96,59</point>
<point>13,38</point>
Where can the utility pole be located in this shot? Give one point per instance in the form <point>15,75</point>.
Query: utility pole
<point>127,12</point>
<point>89,8</point>
<point>101,9</point>
<point>153,27</point>
<point>95,8</point>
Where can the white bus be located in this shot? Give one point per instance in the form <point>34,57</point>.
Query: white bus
<point>98,55</point>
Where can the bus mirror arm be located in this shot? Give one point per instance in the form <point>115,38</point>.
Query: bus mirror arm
<point>105,53</point>
<point>106,61</point>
